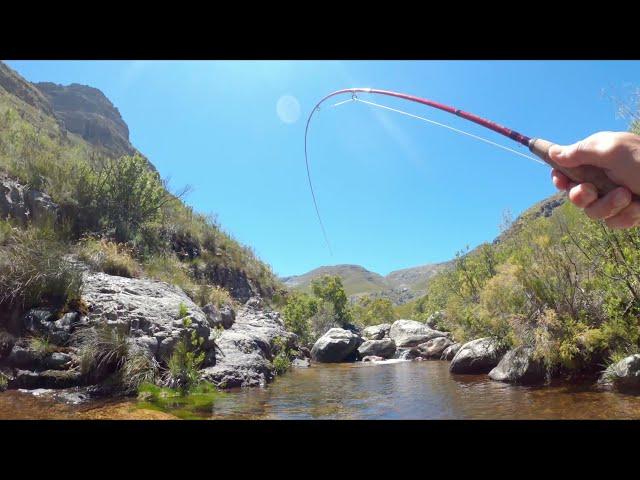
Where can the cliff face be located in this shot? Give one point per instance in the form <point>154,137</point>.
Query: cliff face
<point>87,112</point>
<point>25,91</point>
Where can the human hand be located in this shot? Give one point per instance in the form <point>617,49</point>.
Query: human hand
<point>618,154</point>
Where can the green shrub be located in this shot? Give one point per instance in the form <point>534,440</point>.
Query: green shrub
<point>188,405</point>
<point>106,350</point>
<point>282,359</point>
<point>33,270</point>
<point>183,371</point>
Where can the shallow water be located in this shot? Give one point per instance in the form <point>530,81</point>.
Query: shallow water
<point>387,390</point>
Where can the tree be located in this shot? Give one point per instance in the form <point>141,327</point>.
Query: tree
<point>329,288</point>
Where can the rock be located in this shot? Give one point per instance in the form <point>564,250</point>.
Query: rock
<point>47,379</point>
<point>244,351</point>
<point>301,362</point>
<point>148,309</point>
<point>22,357</point>
<point>372,358</point>
<point>434,347</point>
<point>519,366</point>
<point>254,302</point>
<point>219,318</point>
<point>624,375</point>
<point>450,351</point>
<point>227,315</point>
<point>335,346</point>
<point>380,348</point>
<point>87,112</point>
<point>477,356</point>
<point>56,361</point>
<point>376,332</point>
<point>7,341</point>
<point>304,351</point>
<point>41,322</point>
<point>23,205</point>
<point>409,333</point>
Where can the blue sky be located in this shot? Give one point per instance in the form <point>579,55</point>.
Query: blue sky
<point>393,191</point>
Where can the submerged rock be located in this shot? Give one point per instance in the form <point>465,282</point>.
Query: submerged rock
<point>477,356</point>
<point>409,333</point>
<point>372,358</point>
<point>450,351</point>
<point>384,348</point>
<point>519,366</point>
<point>376,332</point>
<point>301,362</point>
<point>624,375</point>
<point>335,346</point>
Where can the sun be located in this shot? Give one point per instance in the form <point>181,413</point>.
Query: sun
<point>288,109</point>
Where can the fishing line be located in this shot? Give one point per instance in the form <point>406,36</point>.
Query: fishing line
<point>356,99</point>
<point>539,147</point>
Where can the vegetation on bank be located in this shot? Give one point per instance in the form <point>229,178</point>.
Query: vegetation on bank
<point>117,213</point>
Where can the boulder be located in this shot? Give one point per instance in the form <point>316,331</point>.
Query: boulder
<point>22,204</point>
<point>301,362</point>
<point>477,356</point>
<point>624,375</point>
<point>148,309</point>
<point>384,348</point>
<point>450,351</point>
<point>434,347</point>
<point>243,353</point>
<point>372,358</point>
<point>519,366</point>
<point>376,332</point>
<point>335,346</point>
<point>409,333</point>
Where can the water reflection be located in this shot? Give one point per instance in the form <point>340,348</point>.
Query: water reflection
<point>403,390</point>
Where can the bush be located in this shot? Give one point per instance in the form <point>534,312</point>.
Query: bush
<point>282,360</point>
<point>106,350</point>
<point>109,257</point>
<point>183,371</point>
<point>297,312</point>
<point>373,311</point>
<point>33,270</point>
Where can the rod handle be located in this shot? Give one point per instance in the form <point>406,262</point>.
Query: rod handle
<point>580,174</point>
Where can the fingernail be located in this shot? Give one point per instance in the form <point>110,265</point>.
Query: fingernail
<point>620,198</point>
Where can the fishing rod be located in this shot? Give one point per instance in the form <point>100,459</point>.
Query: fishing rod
<point>538,146</point>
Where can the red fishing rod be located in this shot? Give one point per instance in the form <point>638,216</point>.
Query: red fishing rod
<point>538,146</point>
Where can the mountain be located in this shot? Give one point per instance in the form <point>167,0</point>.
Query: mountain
<point>399,286</point>
<point>405,285</point>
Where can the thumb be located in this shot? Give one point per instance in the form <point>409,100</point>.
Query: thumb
<point>579,153</point>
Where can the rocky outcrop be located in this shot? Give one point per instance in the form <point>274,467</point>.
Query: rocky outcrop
<point>148,310</point>
<point>477,356</point>
<point>87,112</point>
<point>450,351</point>
<point>23,204</point>
<point>434,347</point>
<point>376,332</point>
<point>624,375</point>
<point>409,333</point>
<point>519,366</point>
<point>336,345</point>
<point>384,348</point>
<point>244,351</point>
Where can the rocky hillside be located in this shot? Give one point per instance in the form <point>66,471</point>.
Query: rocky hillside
<point>399,286</point>
<point>87,112</point>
